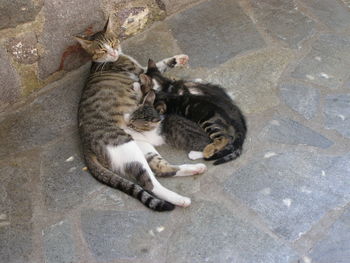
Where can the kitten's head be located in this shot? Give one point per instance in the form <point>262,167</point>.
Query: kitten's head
<point>104,46</point>
<point>160,82</point>
<point>145,117</point>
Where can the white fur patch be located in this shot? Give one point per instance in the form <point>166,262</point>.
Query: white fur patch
<point>191,169</point>
<point>153,137</point>
<point>194,155</point>
<point>195,91</point>
<point>156,85</point>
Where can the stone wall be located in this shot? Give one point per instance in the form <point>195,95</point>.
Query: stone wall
<point>36,43</point>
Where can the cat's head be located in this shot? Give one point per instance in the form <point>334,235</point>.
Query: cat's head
<point>104,46</point>
<point>145,117</point>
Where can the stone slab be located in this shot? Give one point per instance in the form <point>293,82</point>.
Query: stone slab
<point>47,117</point>
<point>204,33</point>
<point>58,243</point>
<point>23,48</point>
<point>113,235</point>
<point>156,43</point>
<point>331,13</point>
<point>15,12</point>
<point>17,190</point>
<point>335,247</point>
<point>292,191</point>
<point>337,113</point>
<point>288,131</point>
<point>302,98</point>
<point>282,20</point>
<point>327,63</point>
<point>64,183</point>
<point>211,233</point>
<point>71,21</point>
<point>10,88</point>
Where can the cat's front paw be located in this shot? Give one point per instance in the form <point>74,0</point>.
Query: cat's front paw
<point>184,202</point>
<point>194,155</point>
<point>181,60</point>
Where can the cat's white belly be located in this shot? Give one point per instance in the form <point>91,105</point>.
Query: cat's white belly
<point>153,137</point>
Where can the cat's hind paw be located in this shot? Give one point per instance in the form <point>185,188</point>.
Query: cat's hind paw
<point>191,169</point>
<point>194,155</point>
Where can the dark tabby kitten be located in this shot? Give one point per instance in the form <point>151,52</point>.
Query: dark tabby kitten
<point>111,154</point>
<point>207,105</point>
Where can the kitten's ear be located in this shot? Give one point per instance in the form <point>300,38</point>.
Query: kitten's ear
<point>149,98</point>
<point>108,28</point>
<point>151,66</point>
<point>85,44</point>
<point>161,107</point>
<point>146,83</point>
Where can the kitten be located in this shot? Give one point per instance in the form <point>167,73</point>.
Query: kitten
<point>111,154</point>
<point>207,105</point>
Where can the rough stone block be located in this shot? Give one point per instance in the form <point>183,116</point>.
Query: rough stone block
<point>287,131</point>
<point>301,98</point>
<point>9,82</point>
<point>335,247</point>
<point>327,63</point>
<point>15,12</point>
<point>23,48</point>
<point>292,190</point>
<point>113,235</point>
<point>64,182</point>
<point>213,234</point>
<point>45,118</point>
<point>337,113</point>
<point>58,243</point>
<point>211,39</point>
<point>283,20</point>
<point>330,13</point>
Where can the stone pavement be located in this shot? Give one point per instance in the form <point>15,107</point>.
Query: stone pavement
<point>286,199</point>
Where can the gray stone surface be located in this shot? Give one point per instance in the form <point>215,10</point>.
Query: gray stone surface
<point>59,246</point>
<point>337,113</point>
<point>287,131</point>
<point>45,118</point>
<point>16,207</point>
<point>71,20</point>
<point>302,98</point>
<point>213,234</point>
<point>209,40</point>
<point>292,191</point>
<point>327,63</point>
<point>64,183</point>
<point>23,49</point>
<point>113,235</point>
<point>283,20</point>
<point>9,81</point>
<point>335,247</point>
<point>157,44</point>
<point>15,12</point>
<point>331,13</point>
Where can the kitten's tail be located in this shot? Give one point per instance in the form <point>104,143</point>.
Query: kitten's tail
<point>109,178</point>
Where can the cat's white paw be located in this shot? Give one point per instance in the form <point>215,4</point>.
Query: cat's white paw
<point>191,169</point>
<point>181,60</point>
<point>194,155</point>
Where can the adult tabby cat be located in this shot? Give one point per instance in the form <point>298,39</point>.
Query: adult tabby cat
<point>111,155</point>
<point>207,105</point>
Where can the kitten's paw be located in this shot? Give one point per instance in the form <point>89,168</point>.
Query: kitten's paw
<point>191,169</point>
<point>181,60</point>
<point>194,155</point>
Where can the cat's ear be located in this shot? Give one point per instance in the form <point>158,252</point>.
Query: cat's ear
<point>152,66</point>
<point>85,44</point>
<point>146,83</point>
<point>149,98</point>
<point>108,28</point>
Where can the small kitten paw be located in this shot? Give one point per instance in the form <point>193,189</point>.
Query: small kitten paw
<point>194,155</point>
<point>185,202</point>
<point>181,60</point>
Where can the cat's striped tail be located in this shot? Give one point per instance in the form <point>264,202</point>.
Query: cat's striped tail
<point>109,178</point>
